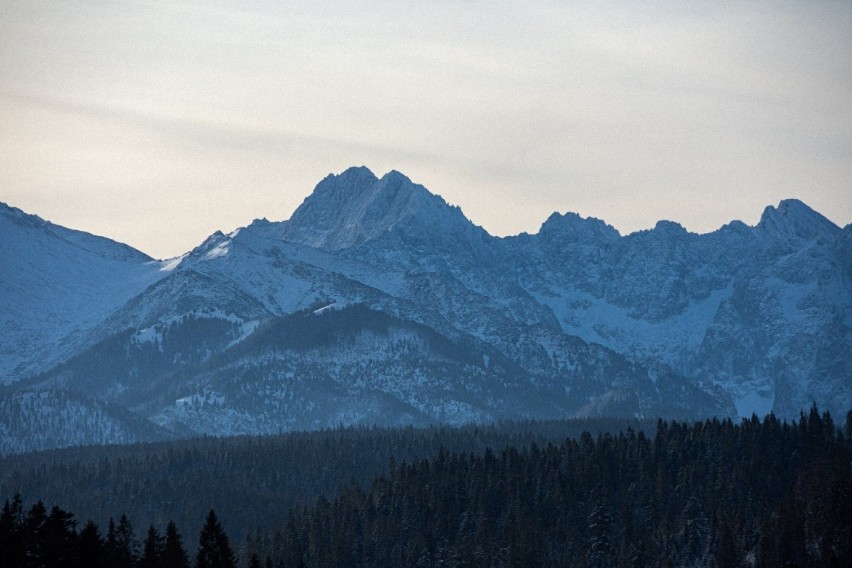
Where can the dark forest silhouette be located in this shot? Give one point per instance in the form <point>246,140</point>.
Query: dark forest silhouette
<point>760,493</point>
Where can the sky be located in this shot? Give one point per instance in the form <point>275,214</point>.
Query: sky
<point>158,123</point>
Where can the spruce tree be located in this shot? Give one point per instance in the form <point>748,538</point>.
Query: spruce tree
<point>11,531</point>
<point>214,551</point>
<point>90,547</point>
<point>126,545</point>
<point>34,534</point>
<point>110,555</point>
<point>152,550</point>
<point>59,538</point>
<point>174,555</point>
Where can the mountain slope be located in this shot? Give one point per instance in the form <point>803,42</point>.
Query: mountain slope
<point>50,418</point>
<point>210,373</point>
<point>56,281</point>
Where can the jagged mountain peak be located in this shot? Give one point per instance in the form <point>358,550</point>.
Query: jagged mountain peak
<point>261,222</point>
<point>355,206</point>
<point>396,175</point>
<point>259,228</point>
<point>214,240</point>
<point>571,227</point>
<point>670,227</point>
<point>662,229</point>
<point>216,245</point>
<point>735,226</point>
<point>793,218</point>
<point>342,186</point>
<point>355,173</point>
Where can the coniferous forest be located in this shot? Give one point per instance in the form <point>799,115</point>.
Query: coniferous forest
<point>760,493</point>
<point>251,481</point>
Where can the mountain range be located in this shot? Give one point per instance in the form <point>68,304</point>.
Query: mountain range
<point>379,303</point>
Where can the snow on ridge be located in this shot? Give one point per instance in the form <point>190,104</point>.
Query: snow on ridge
<point>221,249</point>
<point>169,265</point>
<point>332,305</point>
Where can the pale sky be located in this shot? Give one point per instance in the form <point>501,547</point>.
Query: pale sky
<point>157,123</point>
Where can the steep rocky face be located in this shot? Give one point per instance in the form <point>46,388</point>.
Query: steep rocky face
<point>330,217</point>
<point>763,311</point>
<point>792,220</point>
<point>349,209</point>
<point>412,314</point>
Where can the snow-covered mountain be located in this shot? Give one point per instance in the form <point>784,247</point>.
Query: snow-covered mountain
<point>55,285</point>
<point>377,302</point>
<point>764,312</point>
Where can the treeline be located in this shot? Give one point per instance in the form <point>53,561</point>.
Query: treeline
<point>711,494</point>
<point>765,494</point>
<point>39,539</point>
<point>251,481</point>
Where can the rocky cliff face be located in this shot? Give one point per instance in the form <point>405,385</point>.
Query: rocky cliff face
<point>762,312</point>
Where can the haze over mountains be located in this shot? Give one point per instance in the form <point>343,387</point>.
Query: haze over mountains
<point>377,302</point>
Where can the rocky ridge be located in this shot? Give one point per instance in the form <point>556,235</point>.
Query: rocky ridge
<point>377,302</point>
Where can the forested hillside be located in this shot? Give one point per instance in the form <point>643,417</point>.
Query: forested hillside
<point>251,481</point>
<point>765,494</point>
<point>760,493</point>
